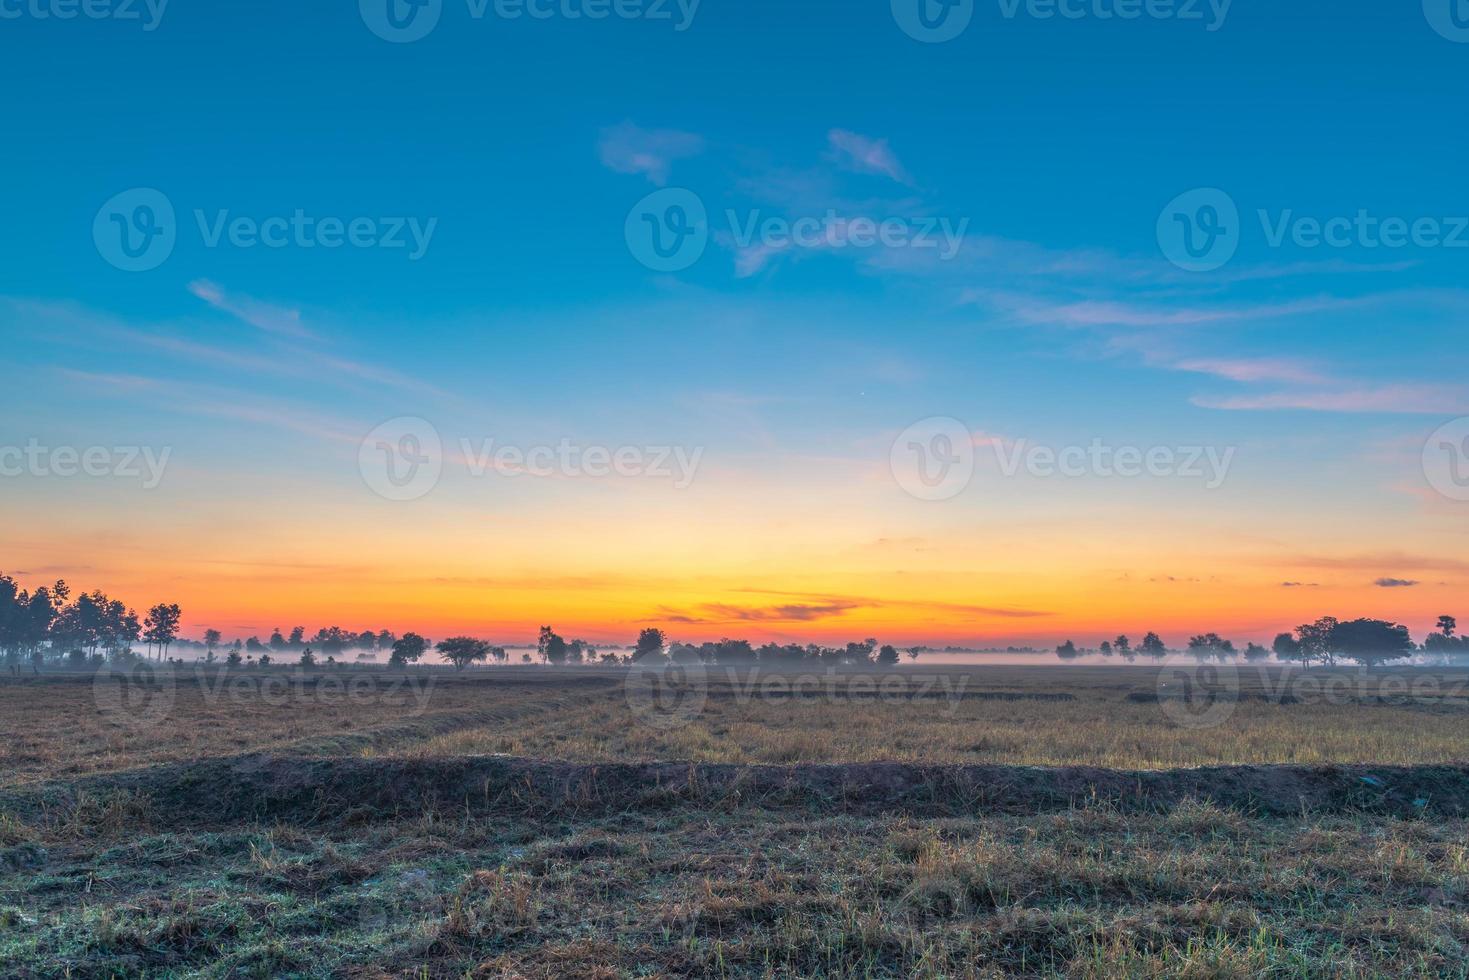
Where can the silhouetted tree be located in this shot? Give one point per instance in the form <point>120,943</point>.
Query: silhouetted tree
<point>888,655</point>
<point>1286,647</point>
<point>651,642</point>
<point>161,627</point>
<point>461,651</point>
<point>1370,642</point>
<point>1314,641</point>
<point>1210,645</point>
<point>1067,651</point>
<point>408,649</point>
<point>1152,646</point>
<point>551,646</point>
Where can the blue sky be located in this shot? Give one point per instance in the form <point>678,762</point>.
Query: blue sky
<point>1055,143</point>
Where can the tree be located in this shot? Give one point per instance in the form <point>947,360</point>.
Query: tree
<point>860,653</point>
<point>333,639</point>
<point>651,642</point>
<point>1314,640</point>
<point>1210,645</point>
<point>551,646</point>
<point>308,659</point>
<point>1152,646</point>
<point>408,649</point>
<point>888,655</point>
<point>1254,651</point>
<point>913,652</point>
<point>161,627</point>
<point>277,642</point>
<point>1067,651</point>
<point>1122,644</point>
<point>1444,641</point>
<point>461,651</point>
<point>1286,647</point>
<point>298,637</point>
<point>1370,642</point>
<point>211,640</point>
<point>1106,648</point>
<point>234,659</point>
<point>253,645</point>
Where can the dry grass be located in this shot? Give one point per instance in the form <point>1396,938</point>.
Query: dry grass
<point>1199,892</point>
<point>1101,727</point>
<point>124,887</point>
<point>60,726</point>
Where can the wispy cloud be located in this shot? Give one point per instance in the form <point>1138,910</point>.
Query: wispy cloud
<point>628,149</point>
<point>1253,369</point>
<point>1111,313</point>
<point>1374,563</point>
<point>866,155</point>
<point>277,320</point>
<point>1387,399</point>
<point>1395,583</point>
<point>194,400</point>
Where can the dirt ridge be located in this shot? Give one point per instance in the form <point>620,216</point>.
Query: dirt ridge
<point>335,790</point>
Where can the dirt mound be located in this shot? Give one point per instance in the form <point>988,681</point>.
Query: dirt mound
<point>337,790</point>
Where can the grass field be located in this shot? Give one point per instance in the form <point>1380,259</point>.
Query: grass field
<point>747,831</point>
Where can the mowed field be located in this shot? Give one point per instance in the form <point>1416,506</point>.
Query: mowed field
<point>598,822</point>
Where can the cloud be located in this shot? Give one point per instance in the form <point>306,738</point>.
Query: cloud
<point>1392,399</point>
<point>810,608</point>
<point>718,612</point>
<point>627,149</point>
<point>193,399</point>
<point>1395,583</point>
<point>1109,313</point>
<point>1376,561</point>
<point>865,155</point>
<point>1300,585</point>
<point>263,316</point>
<point>1252,369</point>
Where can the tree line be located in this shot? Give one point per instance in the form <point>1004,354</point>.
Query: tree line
<point>1369,642</point>
<point>90,628</point>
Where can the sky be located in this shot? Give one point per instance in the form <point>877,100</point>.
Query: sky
<point>1001,323</point>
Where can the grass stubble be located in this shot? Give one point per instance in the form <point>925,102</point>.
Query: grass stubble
<point>118,884</point>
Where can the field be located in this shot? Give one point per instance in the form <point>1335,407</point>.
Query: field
<point>591,822</point>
